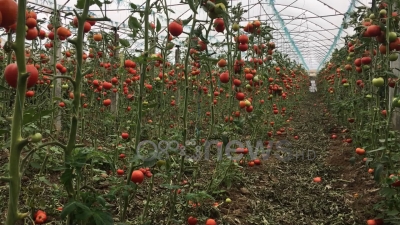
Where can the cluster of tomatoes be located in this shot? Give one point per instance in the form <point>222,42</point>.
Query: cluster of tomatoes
<point>137,176</point>
<point>193,221</point>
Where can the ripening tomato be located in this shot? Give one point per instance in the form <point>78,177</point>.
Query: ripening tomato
<point>224,77</point>
<point>211,222</point>
<point>107,102</point>
<point>137,177</point>
<point>125,135</point>
<point>11,75</point>
<point>192,220</point>
<point>120,172</point>
<point>29,94</point>
<point>175,28</point>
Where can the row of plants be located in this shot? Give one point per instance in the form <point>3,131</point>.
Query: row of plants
<point>82,115</point>
<point>360,84</point>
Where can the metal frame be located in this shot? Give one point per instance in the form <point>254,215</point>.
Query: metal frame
<point>312,43</point>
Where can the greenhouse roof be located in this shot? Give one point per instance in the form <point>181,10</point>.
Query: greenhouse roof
<point>306,30</point>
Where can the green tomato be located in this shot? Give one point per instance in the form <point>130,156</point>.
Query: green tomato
<point>170,45</point>
<point>64,86</point>
<point>228,200</point>
<point>396,102</point>
<point>145,103</point>
<point>346,84</point>
<point>161,163</point>
<point>383,12</point>
<point>378,82</point>
<point>235,27</point>
<point>36,137</point>
<point>368,96</point>
<point>219,8</point>
<point>393,57</point>
<point>392,36</point>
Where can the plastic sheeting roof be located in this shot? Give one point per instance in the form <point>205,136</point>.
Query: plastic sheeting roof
<point>306,30</point>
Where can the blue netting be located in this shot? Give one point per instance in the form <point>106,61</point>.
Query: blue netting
<point>287,33</point>
<point>345,20</point>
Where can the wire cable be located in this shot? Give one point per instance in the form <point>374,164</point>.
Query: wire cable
<point>346,17</point>
<point>287,33</point>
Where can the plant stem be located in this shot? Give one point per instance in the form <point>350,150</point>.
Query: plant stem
<point>185,112</point>
<point>139,103</point>
<point>76,101</point>
<point>144,214</point>
<point>17,143</point>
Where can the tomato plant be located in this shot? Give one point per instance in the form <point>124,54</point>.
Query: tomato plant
<point>103,131</point>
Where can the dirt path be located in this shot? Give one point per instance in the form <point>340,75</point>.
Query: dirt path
<point>284,192</point>
<point>277,192</point>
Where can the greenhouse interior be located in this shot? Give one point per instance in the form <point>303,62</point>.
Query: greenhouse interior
<point>208,112</point>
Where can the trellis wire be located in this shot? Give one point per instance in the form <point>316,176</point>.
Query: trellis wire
<point>345,19</point>
<point>287,33</point>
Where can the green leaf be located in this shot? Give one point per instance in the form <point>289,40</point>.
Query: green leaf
<point>68,209</point>
<point>133,6</point>
<point>44,180</point>
<point>199,196</point>
<point>66,176</point>
<point>134,33</point>
<point>97,2</point>
<point>82,206</point>
<point>158,28</point>
<point>378,149</point>
<point>31,115</point>
<point>169,186</point>
<point>393,212</point>
<point>101,218</point>
<point>35,165</point>
<point>101,200</point>
<point>68,14</point>
<point>389,140</point>
<point>134,23</point>
<point>124,42</point>
<point>2,88</point>
<point>390,74</point>
<point>187,21</point>
<point>80,4</point>
<point>387,192</point>
<point>377,172</point>
<point>221,1</point>
<point>192,6</point>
